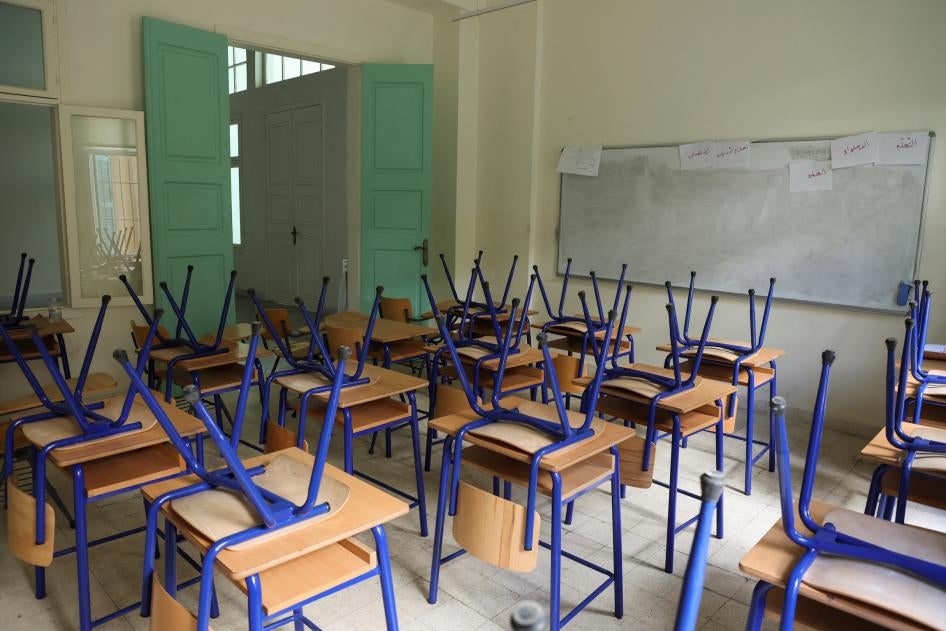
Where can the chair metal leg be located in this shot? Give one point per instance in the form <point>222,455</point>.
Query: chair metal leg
<point>254,603</point>
<point>445,467</point>
<point>757,606</point>
<point>384,573</point>
<point>419,474</point>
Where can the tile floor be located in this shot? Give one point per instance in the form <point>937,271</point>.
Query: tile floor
<point>474,595</point>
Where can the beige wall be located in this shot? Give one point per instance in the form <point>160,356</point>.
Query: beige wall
<point>667,71</point>
<point>100,65</point>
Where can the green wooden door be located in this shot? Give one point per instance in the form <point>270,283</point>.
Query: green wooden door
<point>187,111</point>
<point>397,104</point>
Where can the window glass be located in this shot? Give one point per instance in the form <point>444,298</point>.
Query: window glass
<point>29,210</point>
<point>308,67</point>
<point>236,69</point>
<point>235,203</point>
<point>234,140</point>
<point>273,68</point>
<point>280,67</point>
<point>21,47</point>
<point>291,68</point>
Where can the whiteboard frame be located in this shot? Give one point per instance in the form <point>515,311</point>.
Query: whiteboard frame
<point>893,311</point>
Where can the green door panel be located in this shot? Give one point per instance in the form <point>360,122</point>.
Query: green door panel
<point>187,112</point>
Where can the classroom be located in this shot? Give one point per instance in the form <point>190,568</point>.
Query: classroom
<point>472,314</point>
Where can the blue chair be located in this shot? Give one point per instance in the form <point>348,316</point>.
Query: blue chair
<point>569,325</point>
<point>627,387</point>
<point>286,502</point>
<point>691,594</point>
<point>515,439</point>
<point>75,423</point>
<point>20,291</point>
<point>845,552</point>
<point>735,361</point>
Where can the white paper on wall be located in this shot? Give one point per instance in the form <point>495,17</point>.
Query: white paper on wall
<point>809,175</point>
<point>909,147</point>
<point>580,161</point>
<point>696,155</point>
<point>854,151</point>
<point>730,153</point>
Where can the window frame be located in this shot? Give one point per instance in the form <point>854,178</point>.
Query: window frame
<point>245,63</point>
<point>238,163</point>
<point>72,287</point>
<point>47,9</point>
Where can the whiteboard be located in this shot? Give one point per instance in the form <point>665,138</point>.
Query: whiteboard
<point>850,246</point>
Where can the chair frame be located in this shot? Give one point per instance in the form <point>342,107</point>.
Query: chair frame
<point>274,511</point>
<point>825,538</point>
<point>20,291</point>
<point>691,594</point>
<point>566,436</point>
<point>757,341</point>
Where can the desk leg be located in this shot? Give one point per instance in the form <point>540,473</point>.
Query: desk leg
<point>384,572</point>
<point>254,604</point>
<point>772,395</point>
<point>349,457</point>
<point>750,428</point>
<point>555,585</point>
<point>757,607</point>
<point>63,356</point>
<point>672,488</point>
<point>616,534</point>
<point>82,548</point>
<point>418,470</point>
<point>446,466</point>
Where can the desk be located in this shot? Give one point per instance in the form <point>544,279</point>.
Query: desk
<point>927,489</point>
<point>755,371</point>
<point>307,560</point>
<point>363,410</point>
<point>384,332</point>
<point>45,328</point>
<point>772,559</point>
<point>106,468</point>
<point>494,531</point>
<point>680,415</point>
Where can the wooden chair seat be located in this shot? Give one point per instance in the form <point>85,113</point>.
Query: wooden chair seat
<point>28,349</point>
<point>43,433</point>
<point>399,351</point>
<point>366,508</point>
<point>634,385</point>
<point>762,374</point>
<point>308,380</point>
<point>928,462</point>
<point>514,379</point>
<point>364,416</point>
<point>529,440</point>
<point>567,370</point>
<point>21,527</point>
<point>690,422</point>
<point>878,585</point>
<point>573,345</point>
<point>214,380</point>
<point>218,513</point>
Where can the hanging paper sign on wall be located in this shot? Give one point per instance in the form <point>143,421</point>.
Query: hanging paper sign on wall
<point>696,155</point>
<point>909,147</point>
<point>853,151</point>
<point>809,175</point>
<point>728,154</point>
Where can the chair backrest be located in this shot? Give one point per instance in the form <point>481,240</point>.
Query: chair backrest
<point>139,333</point>
<point>756,334</point>
<point>272,509</point>
<point>279,316</point>
<point>339,336</point>
<point>397,309</point>
<point>90,421</point>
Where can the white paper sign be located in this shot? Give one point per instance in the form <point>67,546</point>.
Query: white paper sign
<point>909,147</point>
<point>854,151</point>
<point>580,161</point>
<point>730,153</point>
<point>809,175</point>
<point>696,155</point>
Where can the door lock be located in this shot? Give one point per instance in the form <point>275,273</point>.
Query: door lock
<point>425,248</point>
<point>294,233</point>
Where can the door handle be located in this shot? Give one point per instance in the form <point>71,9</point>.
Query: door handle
<point>294,233</point>
<point>425,248</point>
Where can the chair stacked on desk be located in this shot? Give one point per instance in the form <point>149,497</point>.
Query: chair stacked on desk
<point>212,363</point>
<point>542,448</point>
<point>107,447</point>
<point>280,526</point>
<point>748,364</point>
<point>371,399</point>
<point>838,567</point>
<point>669,404</point>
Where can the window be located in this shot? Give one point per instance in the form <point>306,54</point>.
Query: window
<point>236,68</point>
<point>106,201</point>
<point>235,181</point>
<point>29,210</point>
<point>28,48</point>
<point>280,67</point>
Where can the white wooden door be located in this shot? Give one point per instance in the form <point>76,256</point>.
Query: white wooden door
<point>280,266</point>
<point>295,194</point>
